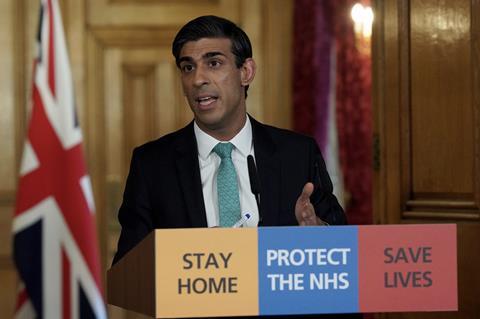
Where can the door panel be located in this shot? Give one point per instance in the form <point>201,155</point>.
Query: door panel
<point>426,108</point>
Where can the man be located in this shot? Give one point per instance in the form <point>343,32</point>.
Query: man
<point>173,181</point>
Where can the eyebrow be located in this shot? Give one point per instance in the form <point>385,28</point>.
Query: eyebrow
<point>205,56</point>
<point>212,54</point>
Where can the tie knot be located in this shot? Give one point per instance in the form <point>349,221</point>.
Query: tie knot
<point>224,150</point>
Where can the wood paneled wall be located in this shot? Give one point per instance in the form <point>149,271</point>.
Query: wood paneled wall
<point>426,59</point>
<point>127,90</point>
<point>426,106</point>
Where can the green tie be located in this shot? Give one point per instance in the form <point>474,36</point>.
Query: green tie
<point>227,187</point>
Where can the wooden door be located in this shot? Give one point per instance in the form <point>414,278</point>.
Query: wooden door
<point>426,57</point>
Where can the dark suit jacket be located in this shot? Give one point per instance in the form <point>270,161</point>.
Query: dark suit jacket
<point>164,190</point>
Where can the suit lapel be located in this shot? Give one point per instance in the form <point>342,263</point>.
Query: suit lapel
<point>268,166</point>
<point>188,173</point>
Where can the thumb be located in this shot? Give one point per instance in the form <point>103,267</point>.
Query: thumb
<point>306,192</point>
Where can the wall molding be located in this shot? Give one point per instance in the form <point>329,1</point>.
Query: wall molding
<point>134,37</point>
<point>166,2</point>
<point>443,204</point>
<point>441,216</point>
<point>7,198</point>
<point>6,262</point>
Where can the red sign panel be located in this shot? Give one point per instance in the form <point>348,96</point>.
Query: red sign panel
<point>407,268</point>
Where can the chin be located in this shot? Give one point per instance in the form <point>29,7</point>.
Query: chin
<point>211,122</point>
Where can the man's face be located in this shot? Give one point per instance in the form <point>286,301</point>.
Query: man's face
<point>214,86</point>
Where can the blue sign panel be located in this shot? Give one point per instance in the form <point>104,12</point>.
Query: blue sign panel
<point>310,271</point>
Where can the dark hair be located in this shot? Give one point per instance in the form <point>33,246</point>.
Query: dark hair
<point>214,27</point>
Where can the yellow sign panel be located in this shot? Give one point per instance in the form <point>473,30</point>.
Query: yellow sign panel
<point>207,273</point>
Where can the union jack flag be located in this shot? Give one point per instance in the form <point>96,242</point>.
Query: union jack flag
<point>55,240</point>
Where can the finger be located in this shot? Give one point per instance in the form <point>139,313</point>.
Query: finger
<point>308,211</point>
<point>306,192</point>
<point>308,214</point>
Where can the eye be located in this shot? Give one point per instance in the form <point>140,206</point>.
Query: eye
<point>186,68</point>
<point>214,63</point>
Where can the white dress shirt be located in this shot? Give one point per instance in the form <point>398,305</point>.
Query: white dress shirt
<point>209,162</point>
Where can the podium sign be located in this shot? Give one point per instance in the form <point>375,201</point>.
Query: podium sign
<point>291,270</point>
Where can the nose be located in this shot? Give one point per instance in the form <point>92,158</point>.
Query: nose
<point>200,77</point>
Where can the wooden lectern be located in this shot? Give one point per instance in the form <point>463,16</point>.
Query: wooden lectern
<point>217,272</point>
<point>198,272</point>
<point>131,281</point>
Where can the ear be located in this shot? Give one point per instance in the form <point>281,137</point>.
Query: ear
<point>248,71</point>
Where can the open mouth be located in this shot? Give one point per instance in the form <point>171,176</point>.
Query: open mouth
<point>206,101</point>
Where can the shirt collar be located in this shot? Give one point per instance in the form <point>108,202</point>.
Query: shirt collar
<point>242,141</point>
